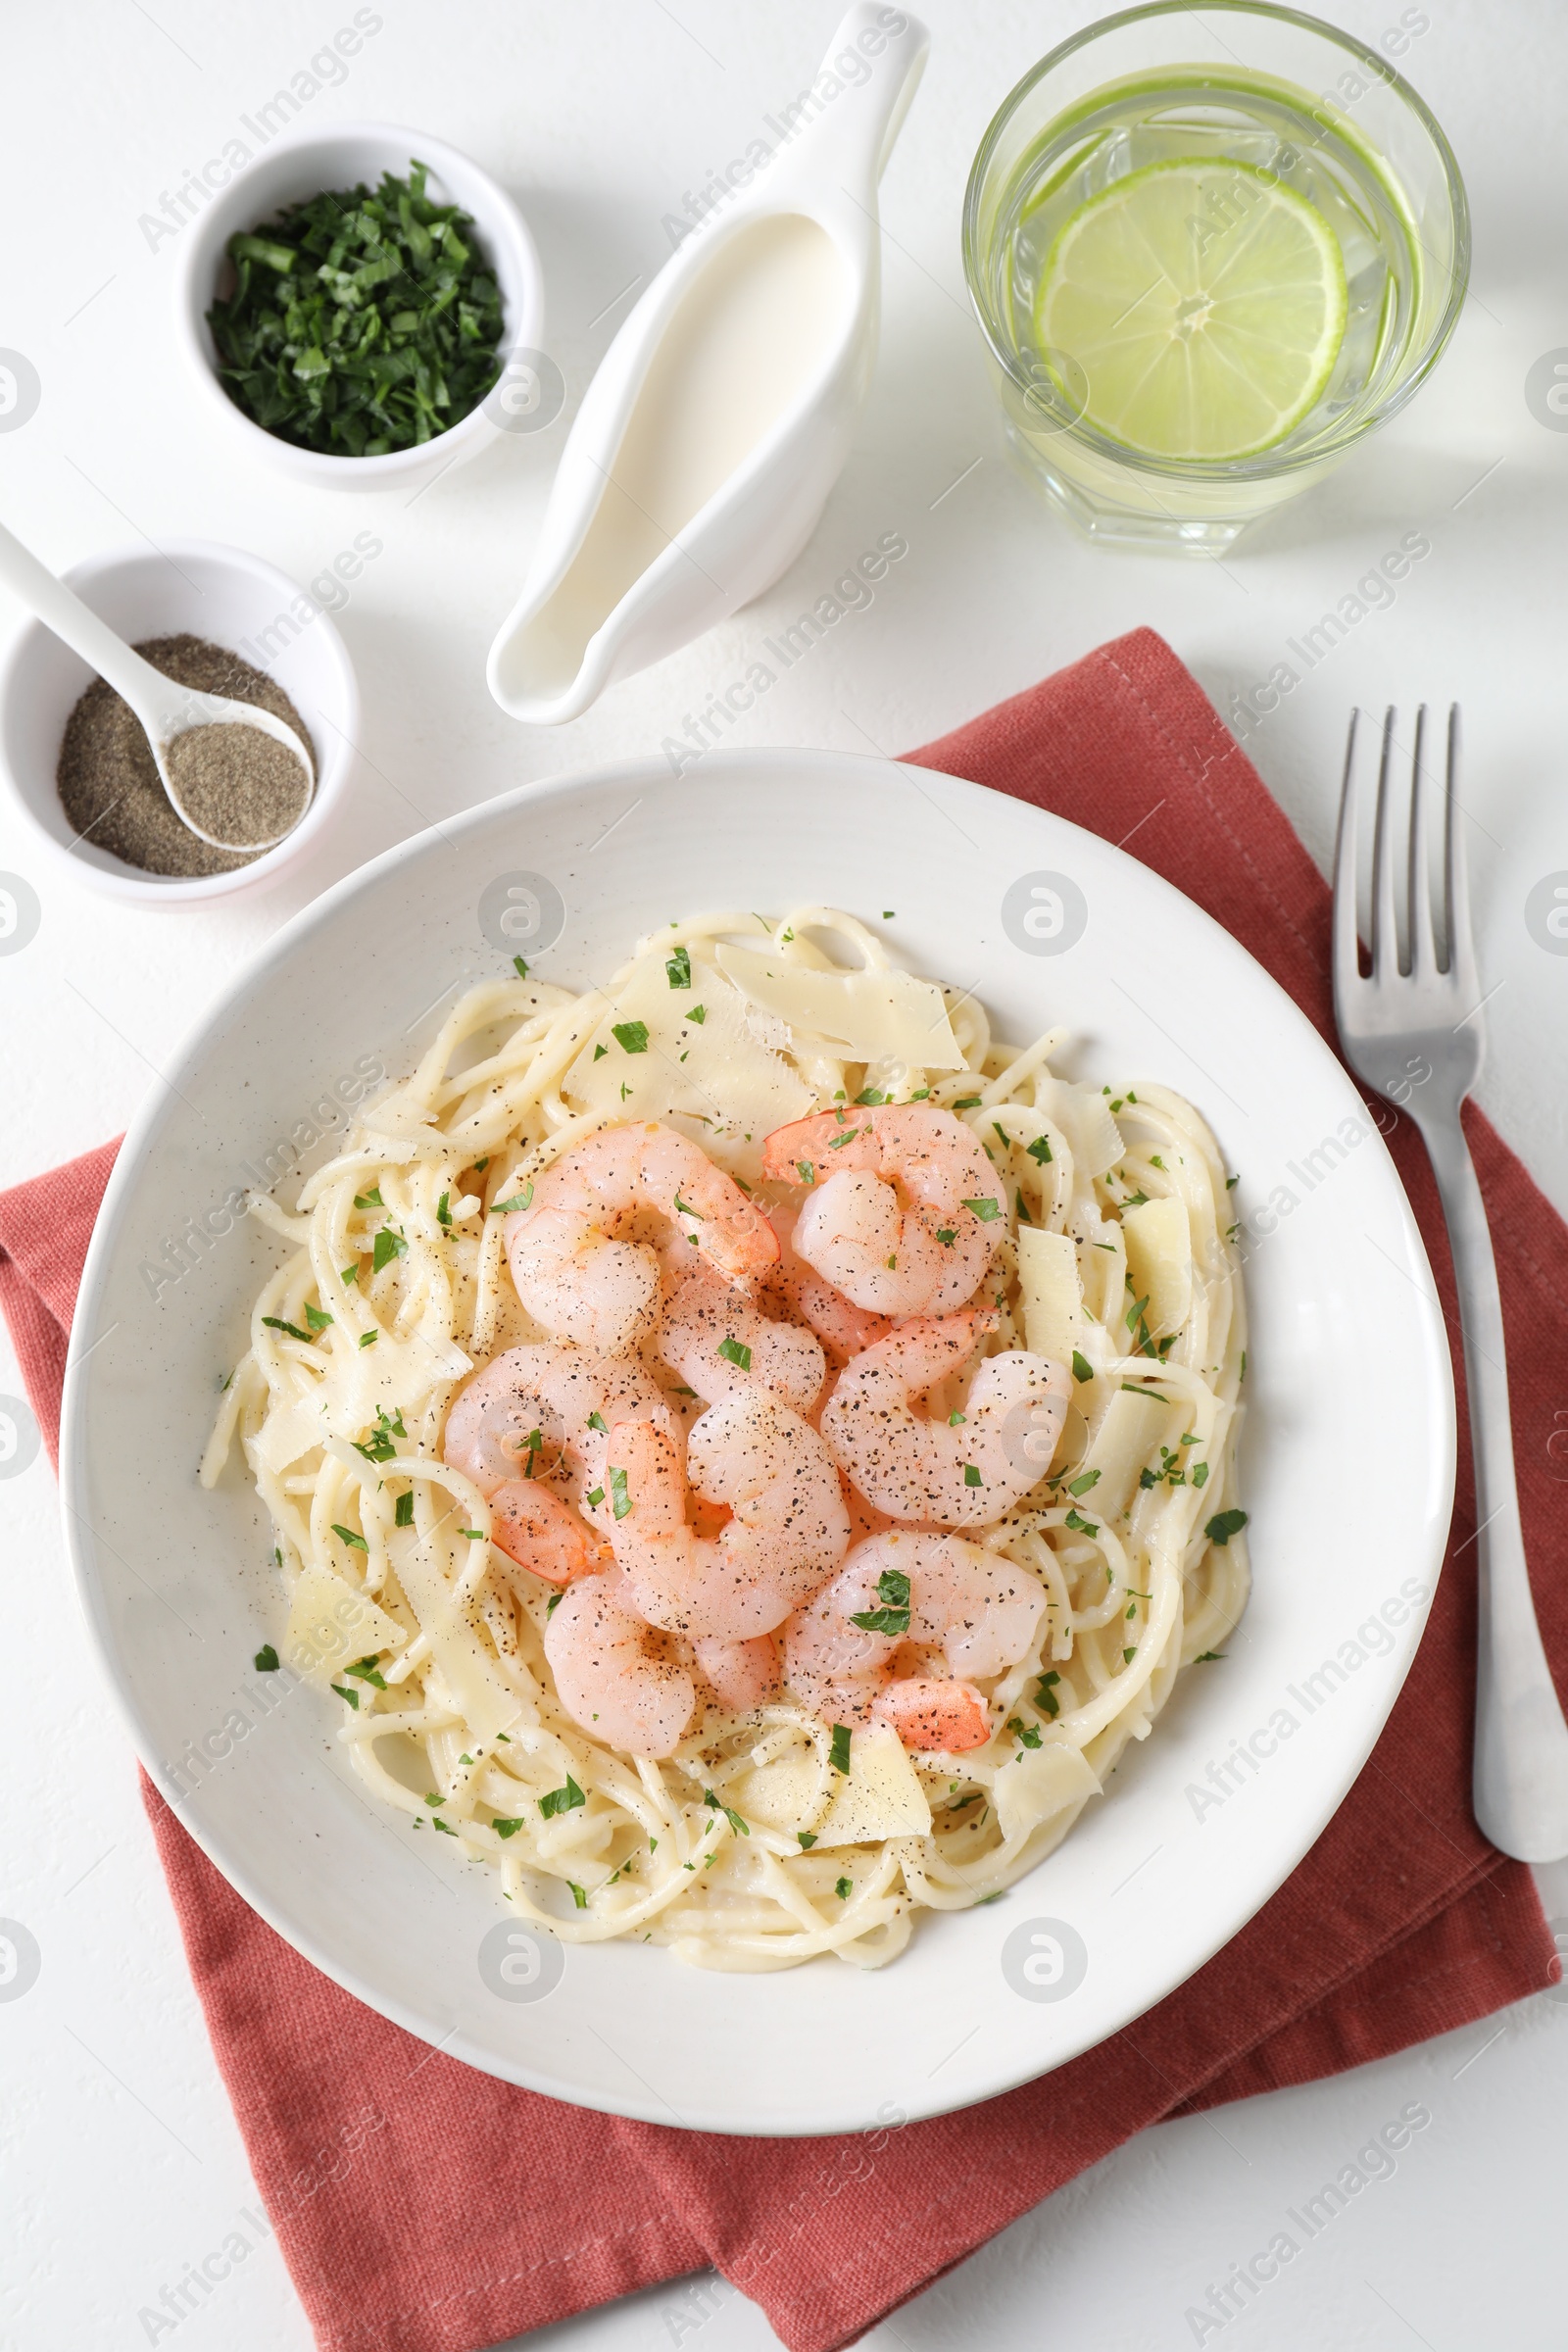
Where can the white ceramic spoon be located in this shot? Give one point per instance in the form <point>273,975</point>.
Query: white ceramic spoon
<point>720,415</point>
<point>165,708</point>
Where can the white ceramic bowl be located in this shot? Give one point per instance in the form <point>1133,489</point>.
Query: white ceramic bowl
<point>341,156</point>
<point>1347,1463</point>
<point>219,593</point>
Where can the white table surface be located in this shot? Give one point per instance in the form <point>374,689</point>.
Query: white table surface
<point>120,2160</point>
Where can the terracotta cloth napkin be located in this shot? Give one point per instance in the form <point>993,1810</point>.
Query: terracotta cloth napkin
<point>422,2207</point>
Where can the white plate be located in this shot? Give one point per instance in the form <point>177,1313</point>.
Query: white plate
<point>1347,1463</point>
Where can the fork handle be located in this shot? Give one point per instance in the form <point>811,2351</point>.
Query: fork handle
<point>1520,1785</point>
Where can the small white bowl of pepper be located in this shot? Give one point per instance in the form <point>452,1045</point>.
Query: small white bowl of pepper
<point>364,305</point>
<point>81,767</point>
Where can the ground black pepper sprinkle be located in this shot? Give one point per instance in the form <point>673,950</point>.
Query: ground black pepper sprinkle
<point>109,784</point>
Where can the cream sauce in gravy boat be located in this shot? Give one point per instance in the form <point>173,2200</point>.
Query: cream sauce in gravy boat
<point>720,415</point>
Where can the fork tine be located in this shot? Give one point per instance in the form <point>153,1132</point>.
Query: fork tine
<point>1346,954</point>
<point>1456,871</point>
<point>1385,942</point>
<point>1423,949</point>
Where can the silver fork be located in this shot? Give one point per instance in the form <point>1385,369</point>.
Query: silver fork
<point>1416,1036</point>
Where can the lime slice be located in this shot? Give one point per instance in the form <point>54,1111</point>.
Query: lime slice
<point>1193,309</point>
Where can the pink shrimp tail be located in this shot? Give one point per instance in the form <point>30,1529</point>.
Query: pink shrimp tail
<point>927,1713</point>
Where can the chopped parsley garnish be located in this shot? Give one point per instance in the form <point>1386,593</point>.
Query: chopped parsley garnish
<point>1200,1474</point>
<point>369,1199</point>
<point>349,1274</point>
<point>388,1245</point>
<point>504,1209</point>
<point>741,1828</point>
<point>551,1607</point>
<point>869,1097</point>
<point>578,1894</point>
<point>1040,1151</point>
<point>346,1534</point>
<point>1127,1657</point>
<point>317,1320</point>
<point>844,1888</point>
<point>807,1837</point>
<point>971,1475</point>
<point>366,1670</point>
<point>684,1208</point>
<point>1027,1733</point>
<point>957,1420</point>
<point>562,1800</point>
<point>698,1014</point>
<point>806,1171</point>
<point>986,1209</point>
<point>838,1754</point>
<point>893,1617</point>
<point>835,1143</point>
<point>1224,1525</point>
<point>351,1697</point>
<point>1082,1484</point>
<point>619,1499</point>
<point>630,1036</point>
<point>362,320</point>
<point>734,1353</point>
<point>679,967</point>
<point>1231,1182</point>
<point>1209,1657</point>
<point>443,1209</point>
<point>266,1659</point>
<point>368,1339</point>
<point>480,1165</point>
<point>1082,1368</point>
<point>600,1051</point>
<point>277,1323</point>
<point>1081,1525</point>
<point>383,1443</point>
<point>967,1102</point>
<point>1045,1694</point>
<point>474,1534</point>
<point>504,1826</point>
<point>595,1498</point>
<point>403,1511</point>
<point>946,1234</point>
<point>445,1826</point>
<point>521,966</point>
<point>598,1421</point>
<point>1023,1210</point>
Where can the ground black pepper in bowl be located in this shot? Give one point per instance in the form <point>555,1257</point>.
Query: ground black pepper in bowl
<point>109,787</point>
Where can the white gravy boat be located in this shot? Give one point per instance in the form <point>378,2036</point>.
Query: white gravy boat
<point>720,415</point>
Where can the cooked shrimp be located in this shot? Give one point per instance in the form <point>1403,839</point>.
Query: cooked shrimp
<point>961,1470</point>
<point>843,1328</point>
<point>906,1210</point>
<point>742,1674</point>
<point>542,1532</point>
<point>614,1674</point>
<point>575,1270</point>
<point>722,1346</point>
<point>531,1410</point>
<point>787,1532</point>
<point>912,1589</point>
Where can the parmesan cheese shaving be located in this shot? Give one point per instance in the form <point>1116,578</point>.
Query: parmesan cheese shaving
<point>330,1625</point>
<point>1159,1260</point>
<point>1050,1294</point>
<point>711,1078</point>
<point>880,1796</point>
<point>1038,1783</point>
<point>869,1016</point>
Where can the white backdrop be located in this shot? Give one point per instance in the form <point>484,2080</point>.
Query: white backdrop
<point>119,2161</point>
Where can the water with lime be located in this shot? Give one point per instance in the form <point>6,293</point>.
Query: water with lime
<point>1205,273</point>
